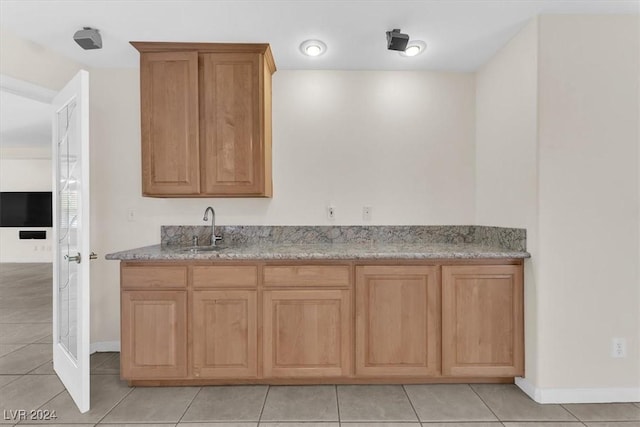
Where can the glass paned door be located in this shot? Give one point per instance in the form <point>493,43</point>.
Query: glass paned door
<point>71,233</point>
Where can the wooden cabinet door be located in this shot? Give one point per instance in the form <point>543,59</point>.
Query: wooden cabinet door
<point>307,333</point>
<point>154,334</point>
<point>232,124</point>
<point>482,321</point>
<point>225,335</point>
<point>169,114</point>
<point>397,321</point>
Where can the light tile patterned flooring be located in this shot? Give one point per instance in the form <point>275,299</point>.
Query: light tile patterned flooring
<point>27,381</point>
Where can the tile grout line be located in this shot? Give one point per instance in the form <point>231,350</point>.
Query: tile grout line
<point>52,397</point>
<point>264,403</point>
<point>40,366</point>
<point>571,413</point>
<point>528,421</point>
<point>584,422</point>
<point>113,356</point>
<point>411,403</point>
<point>338,405</point>
<point>114,406</point>
<point>486,404</point>
<point>189,405</point>
<point>25,323</point>
<point>22,345</point>
<point>99,364</point>
<point>10,375</point>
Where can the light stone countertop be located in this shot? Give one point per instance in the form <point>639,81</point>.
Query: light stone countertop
<point>320,251</point>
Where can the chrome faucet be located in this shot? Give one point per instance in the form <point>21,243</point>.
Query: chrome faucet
<point>214,238</point>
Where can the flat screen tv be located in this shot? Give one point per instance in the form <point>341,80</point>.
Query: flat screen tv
<point>25,209</point>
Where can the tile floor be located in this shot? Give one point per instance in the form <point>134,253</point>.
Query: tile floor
<point>27,381</point>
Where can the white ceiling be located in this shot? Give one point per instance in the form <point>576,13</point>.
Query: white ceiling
<point>461,34</point>
<point>24,122</point>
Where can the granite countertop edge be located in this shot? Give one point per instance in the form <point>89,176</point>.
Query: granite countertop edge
<point>321,252</point>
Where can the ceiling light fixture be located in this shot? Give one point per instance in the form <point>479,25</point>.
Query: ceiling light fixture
<point>396,40</point>
<point>313,47</point>
<point>414,47</point>
<point>88,38</point>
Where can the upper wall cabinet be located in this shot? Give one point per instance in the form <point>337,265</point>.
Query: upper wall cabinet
<point>206,119</point>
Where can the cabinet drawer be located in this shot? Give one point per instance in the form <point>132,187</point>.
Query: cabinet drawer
<point>225,276</point>
<point>307,275</point>
<point>154,277</point>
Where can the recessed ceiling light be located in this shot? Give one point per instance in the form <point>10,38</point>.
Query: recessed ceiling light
<point>415,47</point>
<point>313,47</point>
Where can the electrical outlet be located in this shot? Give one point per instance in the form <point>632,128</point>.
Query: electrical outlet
<point>131,215</point>
<point>331,213</point>
<point>618,348</point>
<point>367,213</point>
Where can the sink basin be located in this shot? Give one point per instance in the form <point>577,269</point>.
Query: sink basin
<point>198,249</point>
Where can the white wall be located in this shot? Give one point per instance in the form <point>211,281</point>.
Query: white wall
<point>25,174</point>
<point>557,152</point>
<point>589,287</point>
<point>506,157</point>
<point>24,170</point>
<point>30,62</point>
<point>400,142</point>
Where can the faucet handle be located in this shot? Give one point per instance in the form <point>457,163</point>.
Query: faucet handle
<point>194,240</point>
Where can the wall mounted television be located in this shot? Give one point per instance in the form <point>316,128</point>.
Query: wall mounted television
<point>25,209</point>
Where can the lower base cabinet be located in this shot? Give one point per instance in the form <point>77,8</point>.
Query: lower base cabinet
<point>225,334</point>
<point>307,333</point>
<point>244,322</point>
<point>154,334</point>
<point>397,321</point>
<point>482,321</point>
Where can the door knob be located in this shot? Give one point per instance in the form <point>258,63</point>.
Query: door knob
<point>93,255</point>
<point>76,258</point>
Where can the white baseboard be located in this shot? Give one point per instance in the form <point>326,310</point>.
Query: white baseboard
<point>528,388</point>
<point>104,346</point>
<point>579,395</point>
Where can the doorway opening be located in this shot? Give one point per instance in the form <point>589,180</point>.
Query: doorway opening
<point>26,234</point>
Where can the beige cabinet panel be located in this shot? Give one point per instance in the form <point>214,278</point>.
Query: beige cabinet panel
<point>482,321</point>
<point>169,120</point>
<point>397,321</point>
<point>225,335</point>
<point>307,333</point>
<point>154,334</point>
<point>231,123</point>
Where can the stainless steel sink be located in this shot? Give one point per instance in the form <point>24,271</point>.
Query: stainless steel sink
<point>198,249</point>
